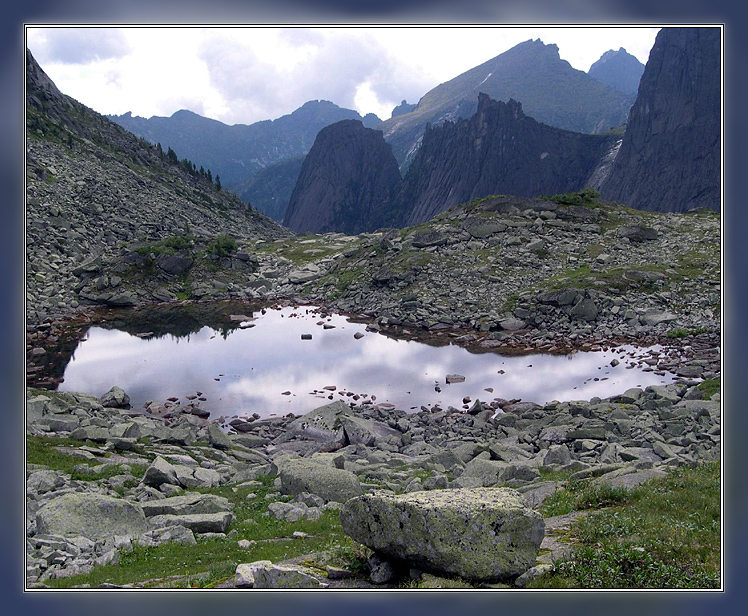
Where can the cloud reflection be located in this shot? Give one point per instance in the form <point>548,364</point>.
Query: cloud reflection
<point>250,370</point>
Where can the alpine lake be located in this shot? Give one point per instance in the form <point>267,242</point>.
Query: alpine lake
<point>227,360</point>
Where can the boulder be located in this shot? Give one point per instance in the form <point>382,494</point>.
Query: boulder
<point>478,534</point>
<point>94,516</point>
<point>160,471</point>
<point>115,398</point>
<point>322,424</point>
<point>299,475</point>
<point>196,522</point>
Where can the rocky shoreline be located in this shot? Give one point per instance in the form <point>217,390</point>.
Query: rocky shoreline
<point>621,441</point>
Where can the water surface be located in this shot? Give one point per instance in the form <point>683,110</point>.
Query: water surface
<point>264,366</point>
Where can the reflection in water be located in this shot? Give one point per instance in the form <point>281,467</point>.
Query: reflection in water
<point>265,367</point>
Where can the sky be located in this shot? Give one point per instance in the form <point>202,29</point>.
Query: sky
<point>241,75</point>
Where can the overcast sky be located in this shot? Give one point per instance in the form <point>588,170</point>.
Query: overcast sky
<point>243,75</point>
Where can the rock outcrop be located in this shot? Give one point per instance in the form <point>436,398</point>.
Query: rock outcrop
<point>348,175</point>
<point>669,160</point>
<point>499,150</point>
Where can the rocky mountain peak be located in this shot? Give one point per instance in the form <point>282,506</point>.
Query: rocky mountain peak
<point>347,176</point>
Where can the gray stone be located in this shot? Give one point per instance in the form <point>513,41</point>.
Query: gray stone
<point>264,574</point>
<point>293,512</point>
<point>175,264</point>
<point>197,522</point>
<point>557,455</point>
<point>192,502</point>
<point>160,471</point>
<point>655,316</point>
<point>94,516</point>
<point>217,437</point>
<point>115,398</point>
<point>299,475</point>
<point>478,534</point>
<point>637,233</point>
<point>322,424</point>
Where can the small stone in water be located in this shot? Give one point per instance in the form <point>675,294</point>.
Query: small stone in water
<point>306,336</point>
<point>455,378</point>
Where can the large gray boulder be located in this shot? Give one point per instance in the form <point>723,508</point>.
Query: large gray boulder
<point>299,475</point>
<point>478,534</point>
<point>94,516</point>
<point>322,424</point>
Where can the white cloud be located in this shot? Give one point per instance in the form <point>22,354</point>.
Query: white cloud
<point>247,74</point>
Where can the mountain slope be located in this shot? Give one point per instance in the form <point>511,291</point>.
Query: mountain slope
<point>92,187</point>
<point>348,175</point>
<point>669,160</point>
<point>237,152</point>
<point>269,190</point>
<point>619,69</point>
<point>551,91</point>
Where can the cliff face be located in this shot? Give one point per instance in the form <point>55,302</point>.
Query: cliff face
<point>619,69</point>
<point>497,151</point>
<point>348,175</point>
<point>669,160</point>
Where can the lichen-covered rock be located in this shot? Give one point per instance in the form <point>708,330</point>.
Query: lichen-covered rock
<point>299,475</point>
<point>478,534</point>
<point>94,516</point>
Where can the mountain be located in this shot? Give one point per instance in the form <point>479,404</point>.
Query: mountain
<point>619,69</point>
<point>669,160</point>
<point>269,190</point>
<point>236,152</point>
<point>551,91</point>
<point>499,150</point>
<point>349,180</point>
<point>92,188</point>
<point>348,175</point>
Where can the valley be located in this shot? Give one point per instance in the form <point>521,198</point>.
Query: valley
<point>491,252</point>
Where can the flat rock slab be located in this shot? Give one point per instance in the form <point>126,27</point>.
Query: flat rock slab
<point>94,516</point>
<point>265,574</point>
<point>299,475</point>
<point>193,502</point>
<point>476,533</point>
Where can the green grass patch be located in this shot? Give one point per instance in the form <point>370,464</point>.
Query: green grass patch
<point>679,332</point>
<point>580,495</point>
<point>710,387</point>
<point>662,534</point>
<point>214,560</point>
<point>43,450</point>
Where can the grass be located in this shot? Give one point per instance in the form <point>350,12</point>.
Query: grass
<point>214,560</point>
<point>679,332</point>
<point>710,387</point>
<point>662,534</point>
<point>42,450</point>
